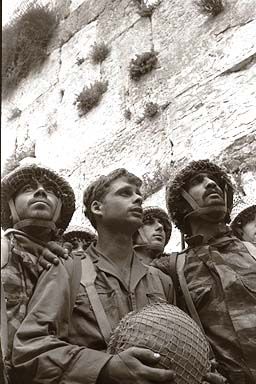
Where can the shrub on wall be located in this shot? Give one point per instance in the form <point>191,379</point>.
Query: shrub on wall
<point>24,43</point>
<point>210,7</point>
<point>145,10</point>
<point>151,109</point>
<point>143,64</point>
<point>99,52</point>
<point>90,97</point>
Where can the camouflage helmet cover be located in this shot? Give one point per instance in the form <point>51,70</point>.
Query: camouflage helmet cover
<point>244,217</point>
<point>177,206</point>
<point>79,232</point>
<point>156,212</point>
<point>21,175</point>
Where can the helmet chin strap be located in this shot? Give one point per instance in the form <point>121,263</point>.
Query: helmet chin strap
<point>19,224</point>
<point>212,214</point>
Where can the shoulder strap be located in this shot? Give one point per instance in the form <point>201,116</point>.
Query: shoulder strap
<point>87,279</point>
<point>173,268</point>
<point>189,302</point>
<point>4,319</point>
<point>75,280</point>
<point>250,248</point>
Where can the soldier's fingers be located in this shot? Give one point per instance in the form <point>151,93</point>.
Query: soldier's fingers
<point>215,378</point>
<point>57,249</point>
<point>50,257</point>
<point>44,263</point>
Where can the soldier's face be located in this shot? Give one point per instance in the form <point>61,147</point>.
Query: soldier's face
<point>154,233</point>
<point>36,200</point>
<point>249,231</point>
<point>205,191</point>
<point>121,207</point>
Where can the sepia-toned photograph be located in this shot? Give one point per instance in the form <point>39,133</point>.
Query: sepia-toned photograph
<point>128,192</point>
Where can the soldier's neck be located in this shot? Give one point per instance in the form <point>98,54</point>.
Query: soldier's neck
<point>205,228</point>
<point>117,246</point>
<point>42,234</point>
<point>146,255</point>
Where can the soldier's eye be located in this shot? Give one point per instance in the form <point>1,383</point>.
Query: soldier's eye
<point>27,188</point>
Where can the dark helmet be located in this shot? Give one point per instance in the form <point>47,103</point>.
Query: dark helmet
<point>159,213</point>
<point>242,214</point>
<point>178,207</point>
<point>23,174</point>
<point>75,231</point>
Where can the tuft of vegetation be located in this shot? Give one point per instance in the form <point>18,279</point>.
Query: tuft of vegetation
<point>24,43</point>
<point>143,64</point>
<point>80,60</point>
<point>90,97</point>
<point>127,114</point>
<point>15,112</point>
<point>144,9</point>
<point>99,52</point>
<point>151,109</point>
<point>210,7</point>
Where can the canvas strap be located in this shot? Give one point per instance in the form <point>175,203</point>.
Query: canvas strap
<point>87,280</point>
<point>189,302</point>
<point>4,321</point>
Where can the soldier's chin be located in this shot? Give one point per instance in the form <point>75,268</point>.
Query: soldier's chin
<point>215,213</point>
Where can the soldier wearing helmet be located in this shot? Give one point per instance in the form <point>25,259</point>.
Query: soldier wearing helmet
<point>36,206</point>
<point>244,223</point>
<point>216,272</point>
<point>151,238</point>
<point>79,238</point>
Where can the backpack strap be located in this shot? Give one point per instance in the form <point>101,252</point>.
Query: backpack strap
<point>173,268</point>
<point>4,318</point>
<point>181,258</point>
<point>87,280</point>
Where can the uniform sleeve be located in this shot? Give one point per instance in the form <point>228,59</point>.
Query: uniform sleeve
<point>41,353</point>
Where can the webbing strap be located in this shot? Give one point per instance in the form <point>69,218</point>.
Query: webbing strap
<point>189,302</point>
<point>87,279</point>
<point>4,319</point>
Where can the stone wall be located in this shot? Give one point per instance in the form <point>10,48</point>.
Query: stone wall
<point>204,85</point>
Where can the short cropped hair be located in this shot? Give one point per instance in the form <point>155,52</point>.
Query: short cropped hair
<point>100,187</point>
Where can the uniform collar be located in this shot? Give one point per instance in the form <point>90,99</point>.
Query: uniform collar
<point>105,264</point>
<point>221,236</point>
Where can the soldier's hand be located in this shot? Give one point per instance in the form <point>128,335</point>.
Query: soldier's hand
<point>215,378</point>
<point>51,254</point>
<point>135,366</point>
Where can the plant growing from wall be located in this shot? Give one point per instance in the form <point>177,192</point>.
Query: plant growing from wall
<point>151,109</point>
<point>90,97</point>
<point>142,64</point>
<point>210,7</point>
<point>127,114</point>
<point>144,9</point>
<point>99,52</point>
<point>24,43</point>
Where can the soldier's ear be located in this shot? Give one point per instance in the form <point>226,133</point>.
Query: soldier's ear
<point>96,208</point>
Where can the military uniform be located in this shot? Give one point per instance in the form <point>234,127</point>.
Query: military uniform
<point>221,278</point>
<point>66,345</point>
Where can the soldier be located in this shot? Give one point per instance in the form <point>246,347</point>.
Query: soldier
<point>153,235</point>
<point>36,204</point>
<point>80,238</point>
<point>244,224</point>
<point>216,273</point>
<point>65,334</point>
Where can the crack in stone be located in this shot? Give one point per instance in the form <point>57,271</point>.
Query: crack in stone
<point>233,26</point>
<point>241,66</point>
